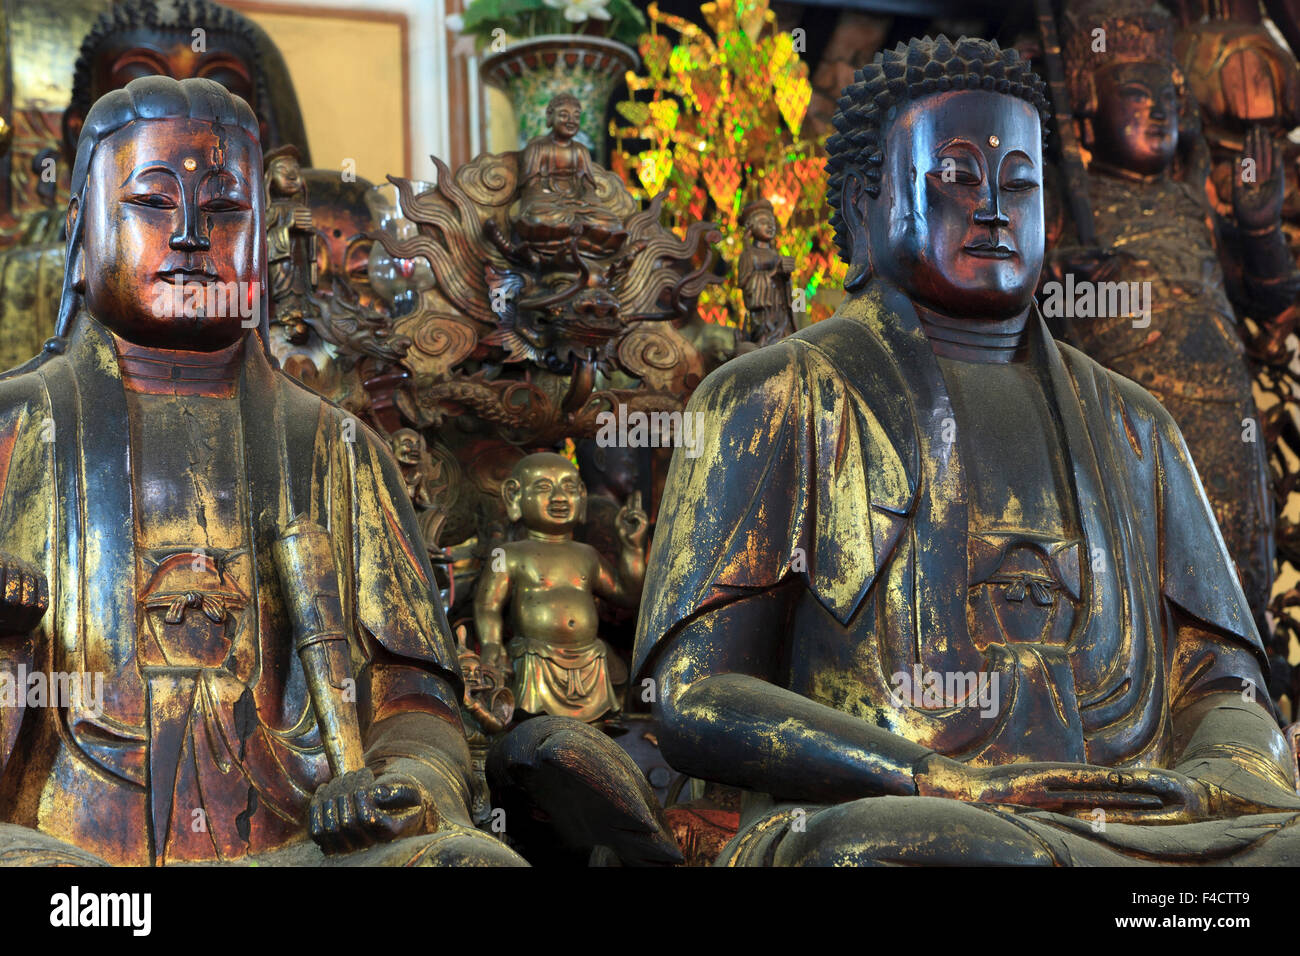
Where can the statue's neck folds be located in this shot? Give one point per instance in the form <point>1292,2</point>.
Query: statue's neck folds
<point>155,371</point>
<point>972,340</point>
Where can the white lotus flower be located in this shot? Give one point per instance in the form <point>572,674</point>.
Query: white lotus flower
<point>576,11</point>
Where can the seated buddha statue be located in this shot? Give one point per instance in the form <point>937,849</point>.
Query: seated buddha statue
<point>936,588</point>
<point>558,188</point>
<point>232,557</point>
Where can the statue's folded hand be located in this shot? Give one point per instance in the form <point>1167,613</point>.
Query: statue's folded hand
<point>24,596</point>
<point>358,809</point>
<point>1124,794</point>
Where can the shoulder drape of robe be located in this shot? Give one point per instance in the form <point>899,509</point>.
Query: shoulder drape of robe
<point>66,502</point>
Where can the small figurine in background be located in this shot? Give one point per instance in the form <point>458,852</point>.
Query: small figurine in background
<point>488,704</point>
<point>423,479</point>
<point>764,276</point>
<point>550,582</point>
<point>559,187</point>
<point>486,709</point>
<point>290,243</point>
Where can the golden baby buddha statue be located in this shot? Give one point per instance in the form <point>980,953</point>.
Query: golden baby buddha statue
<point>551,582</point>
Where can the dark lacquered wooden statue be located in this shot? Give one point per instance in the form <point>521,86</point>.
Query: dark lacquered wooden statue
<point>938,589</point>
<point>233,561</point>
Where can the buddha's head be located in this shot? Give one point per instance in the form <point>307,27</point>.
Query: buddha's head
<point>936,174</point>
<point>176,38</point>
<point>564,115</point>
<point>1125,86</point>
<point>284,174</point>
<point>408,446</point>
<point>759,220</point>
<point>167,201</point>
<point>545,492</point>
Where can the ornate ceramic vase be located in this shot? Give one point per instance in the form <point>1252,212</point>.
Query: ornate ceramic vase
<point>534,70</point>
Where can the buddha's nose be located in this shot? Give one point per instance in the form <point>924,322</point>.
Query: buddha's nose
<point>991,215</point>
<point>189,238</point>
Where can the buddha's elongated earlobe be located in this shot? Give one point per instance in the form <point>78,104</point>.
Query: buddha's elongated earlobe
<point>851,208</point>
<point>77,267</point>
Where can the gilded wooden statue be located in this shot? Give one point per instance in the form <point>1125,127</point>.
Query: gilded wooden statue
<point>235,559</point>
<point>290,244</point>
<point>550,583</point>
<point>112,43</point>
<point>936,588</point>
<point>1156,239</point>
<point>1242,78</point>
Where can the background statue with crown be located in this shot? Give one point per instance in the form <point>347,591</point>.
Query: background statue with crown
<point>1187,273</point>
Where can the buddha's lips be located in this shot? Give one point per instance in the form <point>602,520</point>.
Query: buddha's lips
<point>558,511</point>
<point>987,250</point>
<point>186,275</point>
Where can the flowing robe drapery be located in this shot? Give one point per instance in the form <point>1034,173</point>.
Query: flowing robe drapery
<point>234,738</point>
<point>830,460</point>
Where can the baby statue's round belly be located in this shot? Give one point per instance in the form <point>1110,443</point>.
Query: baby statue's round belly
<point>558,615</point>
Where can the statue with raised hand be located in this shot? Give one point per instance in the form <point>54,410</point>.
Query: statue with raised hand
<point>1165,252</point>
